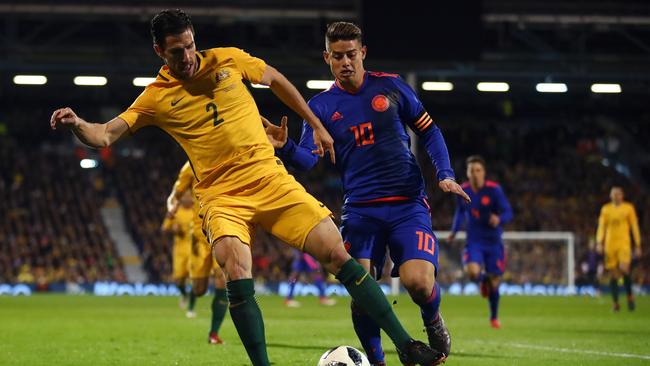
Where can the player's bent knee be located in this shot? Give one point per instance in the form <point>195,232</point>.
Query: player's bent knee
<point>473,272</point>
<point>336,259</point>
<point>419,287</point>
<point>324,243</point>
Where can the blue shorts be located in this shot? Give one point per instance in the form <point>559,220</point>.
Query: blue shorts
<point>492,256</point>
<point>403,227</point>
<point>304,263</point>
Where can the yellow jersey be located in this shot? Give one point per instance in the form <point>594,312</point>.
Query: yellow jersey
<point>184,182</point>
<point>214,118</point>
<point>615,223</point>
<point>183,238</point>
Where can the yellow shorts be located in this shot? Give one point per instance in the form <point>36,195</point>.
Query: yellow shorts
<point>201,263</point>
<point>277,203</point>
<point>615,256</point>
<point>180,263</point>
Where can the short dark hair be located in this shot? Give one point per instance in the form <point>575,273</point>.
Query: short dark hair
<point>475,159</point>
<point>342,31</point>
<point>169,22</point>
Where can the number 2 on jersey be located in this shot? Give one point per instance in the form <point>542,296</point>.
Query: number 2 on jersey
<point>215,113</point>
<point>363,134</point>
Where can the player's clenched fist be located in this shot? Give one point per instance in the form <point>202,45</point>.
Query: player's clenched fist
<point>65,117</point>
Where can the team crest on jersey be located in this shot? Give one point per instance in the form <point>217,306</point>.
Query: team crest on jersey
<point>485,200</point>
<point>380,103</point>
<point>223,74</point>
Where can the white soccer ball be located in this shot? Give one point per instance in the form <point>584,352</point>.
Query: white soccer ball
<point>343,356</point>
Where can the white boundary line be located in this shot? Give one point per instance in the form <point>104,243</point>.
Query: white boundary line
<point>570,350</point>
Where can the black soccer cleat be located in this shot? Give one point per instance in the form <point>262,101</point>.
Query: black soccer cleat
<point>418,353</point>
<point>439,337</point>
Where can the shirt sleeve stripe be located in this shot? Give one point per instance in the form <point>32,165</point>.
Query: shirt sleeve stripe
<point>426,125</point>
<point>424,122</point>
<point>422,118</point>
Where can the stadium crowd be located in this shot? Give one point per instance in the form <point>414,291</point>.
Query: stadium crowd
<point>51,229</point>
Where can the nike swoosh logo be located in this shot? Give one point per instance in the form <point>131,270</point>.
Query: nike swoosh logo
<point>358,282</point>
<point>176,102</point>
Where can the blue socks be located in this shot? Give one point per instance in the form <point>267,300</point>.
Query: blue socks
<point>431,306</point>
<point>369,334</point>
<point>318,281</point>
<point>292,287</point>
<point>494,303</point>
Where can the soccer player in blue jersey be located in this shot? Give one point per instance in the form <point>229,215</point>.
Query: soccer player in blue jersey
<point>385,206</point>
<point>485,215</point>
<point>304,263</point>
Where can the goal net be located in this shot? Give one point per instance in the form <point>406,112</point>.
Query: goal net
<point>537,263</point>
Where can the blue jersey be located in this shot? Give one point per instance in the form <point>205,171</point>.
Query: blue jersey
<point>372,145</point>
<point>488,200</point>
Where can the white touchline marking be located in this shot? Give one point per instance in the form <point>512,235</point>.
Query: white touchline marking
<point>570,350</point>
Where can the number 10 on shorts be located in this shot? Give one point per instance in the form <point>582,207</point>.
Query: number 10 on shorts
<point>426,242</point>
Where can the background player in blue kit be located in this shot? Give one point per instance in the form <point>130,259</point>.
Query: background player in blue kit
<point>385,201</point>
<point>304,263</point>
<point>485,215</point>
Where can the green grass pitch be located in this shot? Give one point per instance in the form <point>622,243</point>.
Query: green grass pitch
<point>87,330</point>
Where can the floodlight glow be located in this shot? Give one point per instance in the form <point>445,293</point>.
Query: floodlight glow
<point>319,84</point>
<point>437,86</point>
<point>30,79</point>
<point>90,80</point>
<point>88,163</point>
<point>606,88</point>
<point>493,87</point>
<point>142,81</point>
<point>259,86</point>
<point>551,87</point>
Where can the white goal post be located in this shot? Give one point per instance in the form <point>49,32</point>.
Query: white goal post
<point>567,237</point>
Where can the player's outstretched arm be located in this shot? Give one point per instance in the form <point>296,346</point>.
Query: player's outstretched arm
<point>290,96</point>
<point>95,135</point>
<point>417,118</point>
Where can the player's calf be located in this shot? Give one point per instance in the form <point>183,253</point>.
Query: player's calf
<point>234,257</point>
<point>418,276</point>
<point>199,286</point>
<point>325,244</point>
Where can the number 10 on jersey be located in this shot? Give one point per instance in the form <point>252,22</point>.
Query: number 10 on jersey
<point>363,134</point>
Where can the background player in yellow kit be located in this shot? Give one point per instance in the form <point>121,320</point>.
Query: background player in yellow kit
<point>617,219</point>
<point>179,225</point>
<point>202,264</point>
<point>199,99</point>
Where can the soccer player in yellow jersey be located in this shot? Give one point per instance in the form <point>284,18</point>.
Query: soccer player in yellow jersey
<point>202,264</point>
<point>200,100</point>
<point>617,219</point>
<point>180,225</point>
